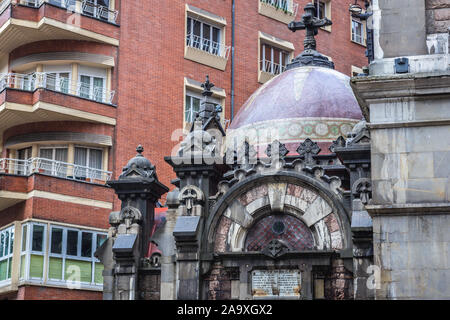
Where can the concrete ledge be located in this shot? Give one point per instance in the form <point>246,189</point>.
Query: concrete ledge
<point>409,209</point>
<point>205,58</point>
<point>270,11</point>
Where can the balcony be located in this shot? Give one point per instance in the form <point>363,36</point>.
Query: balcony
<point>269,69</point>
<point>38,20</point>
<point>281,10</point>
<point>49,81</point>
<point>53,168</point>
<point>206,51</point>
<point>38,97</point>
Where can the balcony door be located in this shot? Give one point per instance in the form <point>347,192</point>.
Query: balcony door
<point>22,156</point>
<point>97,8</point>
<point>92,88</point>
<point>88,163</point>
<point>53,161</point>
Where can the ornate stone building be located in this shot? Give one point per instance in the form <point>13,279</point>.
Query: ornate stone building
<point>306,195</point>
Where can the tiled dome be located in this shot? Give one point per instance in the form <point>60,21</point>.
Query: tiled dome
<point>303,102</point>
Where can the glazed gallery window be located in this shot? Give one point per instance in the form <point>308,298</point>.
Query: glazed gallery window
<point>70,254</point>
<point>192,105</point>
<point>92,87</point>
<point>6,253</point>
<point>203,36</point>
<point>273,60</point>
<point>357,32</point>
<point>90,160</point>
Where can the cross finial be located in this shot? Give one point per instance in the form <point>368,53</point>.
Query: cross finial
<point>207,87</point>
<point>139,150</point>
<point>310,23</point>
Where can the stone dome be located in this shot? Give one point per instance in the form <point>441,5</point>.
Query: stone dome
<point>138,166</point>
<point>304,102</point>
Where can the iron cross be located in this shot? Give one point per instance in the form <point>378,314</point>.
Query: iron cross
<point>310,23</point>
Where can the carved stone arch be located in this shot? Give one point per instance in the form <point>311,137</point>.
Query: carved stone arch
<point>290,192</point>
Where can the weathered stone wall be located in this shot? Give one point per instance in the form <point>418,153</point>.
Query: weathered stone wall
<point>219,282</point>
<point>413,254</point>
<point>149,286</point>
<point>437,16</point>
<point>339,282</point>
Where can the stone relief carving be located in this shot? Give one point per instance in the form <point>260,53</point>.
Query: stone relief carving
<point>191,201</point>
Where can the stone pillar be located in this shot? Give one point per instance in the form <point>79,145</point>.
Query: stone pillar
<point>354,153</point>
<point>199,167</point>
<point>410,148</point>
<point>138,188</point>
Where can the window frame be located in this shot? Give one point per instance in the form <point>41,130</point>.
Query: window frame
<point>7,252</point>
<point>28,250</point>
<point>190,34</point>
<point>262,64</point>
<point>197,95</point>
<point>363,31</point>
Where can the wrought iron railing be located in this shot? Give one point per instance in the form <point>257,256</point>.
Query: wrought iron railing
<point>39,80</point>
<point>288,6</point>
<point>86,7</point>
<point>208,45</point>
<point>271,67</point>
<point>53,168</point>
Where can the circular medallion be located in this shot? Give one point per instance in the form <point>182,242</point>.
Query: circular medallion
<point>321,129</point>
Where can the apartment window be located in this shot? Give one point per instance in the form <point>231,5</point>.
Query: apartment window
<point>92,88</point>
<point>90,160</point>
<point>273,60</point>
<point>357,31</point>
<point>203,36</point>
<point>321,8</point>
<point>6,253</point>
<point>192,105</point>
<point>70,255</point>
<point>55,156</point>
<point>58,81</point>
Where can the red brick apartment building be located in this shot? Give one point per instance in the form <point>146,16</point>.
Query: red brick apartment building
<point>83,82</point>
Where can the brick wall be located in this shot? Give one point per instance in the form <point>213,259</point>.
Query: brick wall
<point>47,293</point>
<point>152,67</point>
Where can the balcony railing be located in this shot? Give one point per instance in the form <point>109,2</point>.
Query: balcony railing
<point>208,46</point>
<point>42,80</point>
<point>288,6</point>
<point>4,4</point>
<point>85,7</point>
<point>53,168</point>
<point>271,67</point>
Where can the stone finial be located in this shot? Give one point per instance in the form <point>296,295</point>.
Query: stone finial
<point>207,86</point>
<point>140,150</point>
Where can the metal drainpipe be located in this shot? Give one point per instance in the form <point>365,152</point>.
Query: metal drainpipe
<point>232,58</point>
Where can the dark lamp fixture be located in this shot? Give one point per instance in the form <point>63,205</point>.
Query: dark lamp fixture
<point>355,8</point>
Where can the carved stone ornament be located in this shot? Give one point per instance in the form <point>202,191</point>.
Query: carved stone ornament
<point>308,149</point>
<point>129,215</point>
<point>189,197</point>
<point>362,189</point>
<point>276,150</point>
<point>339,142</point>
<point>276,248</point>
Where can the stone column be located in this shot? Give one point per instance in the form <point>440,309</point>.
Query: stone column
<point>138,188</point>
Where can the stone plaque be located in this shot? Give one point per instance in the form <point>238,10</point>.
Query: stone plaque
<point>282,283</point>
